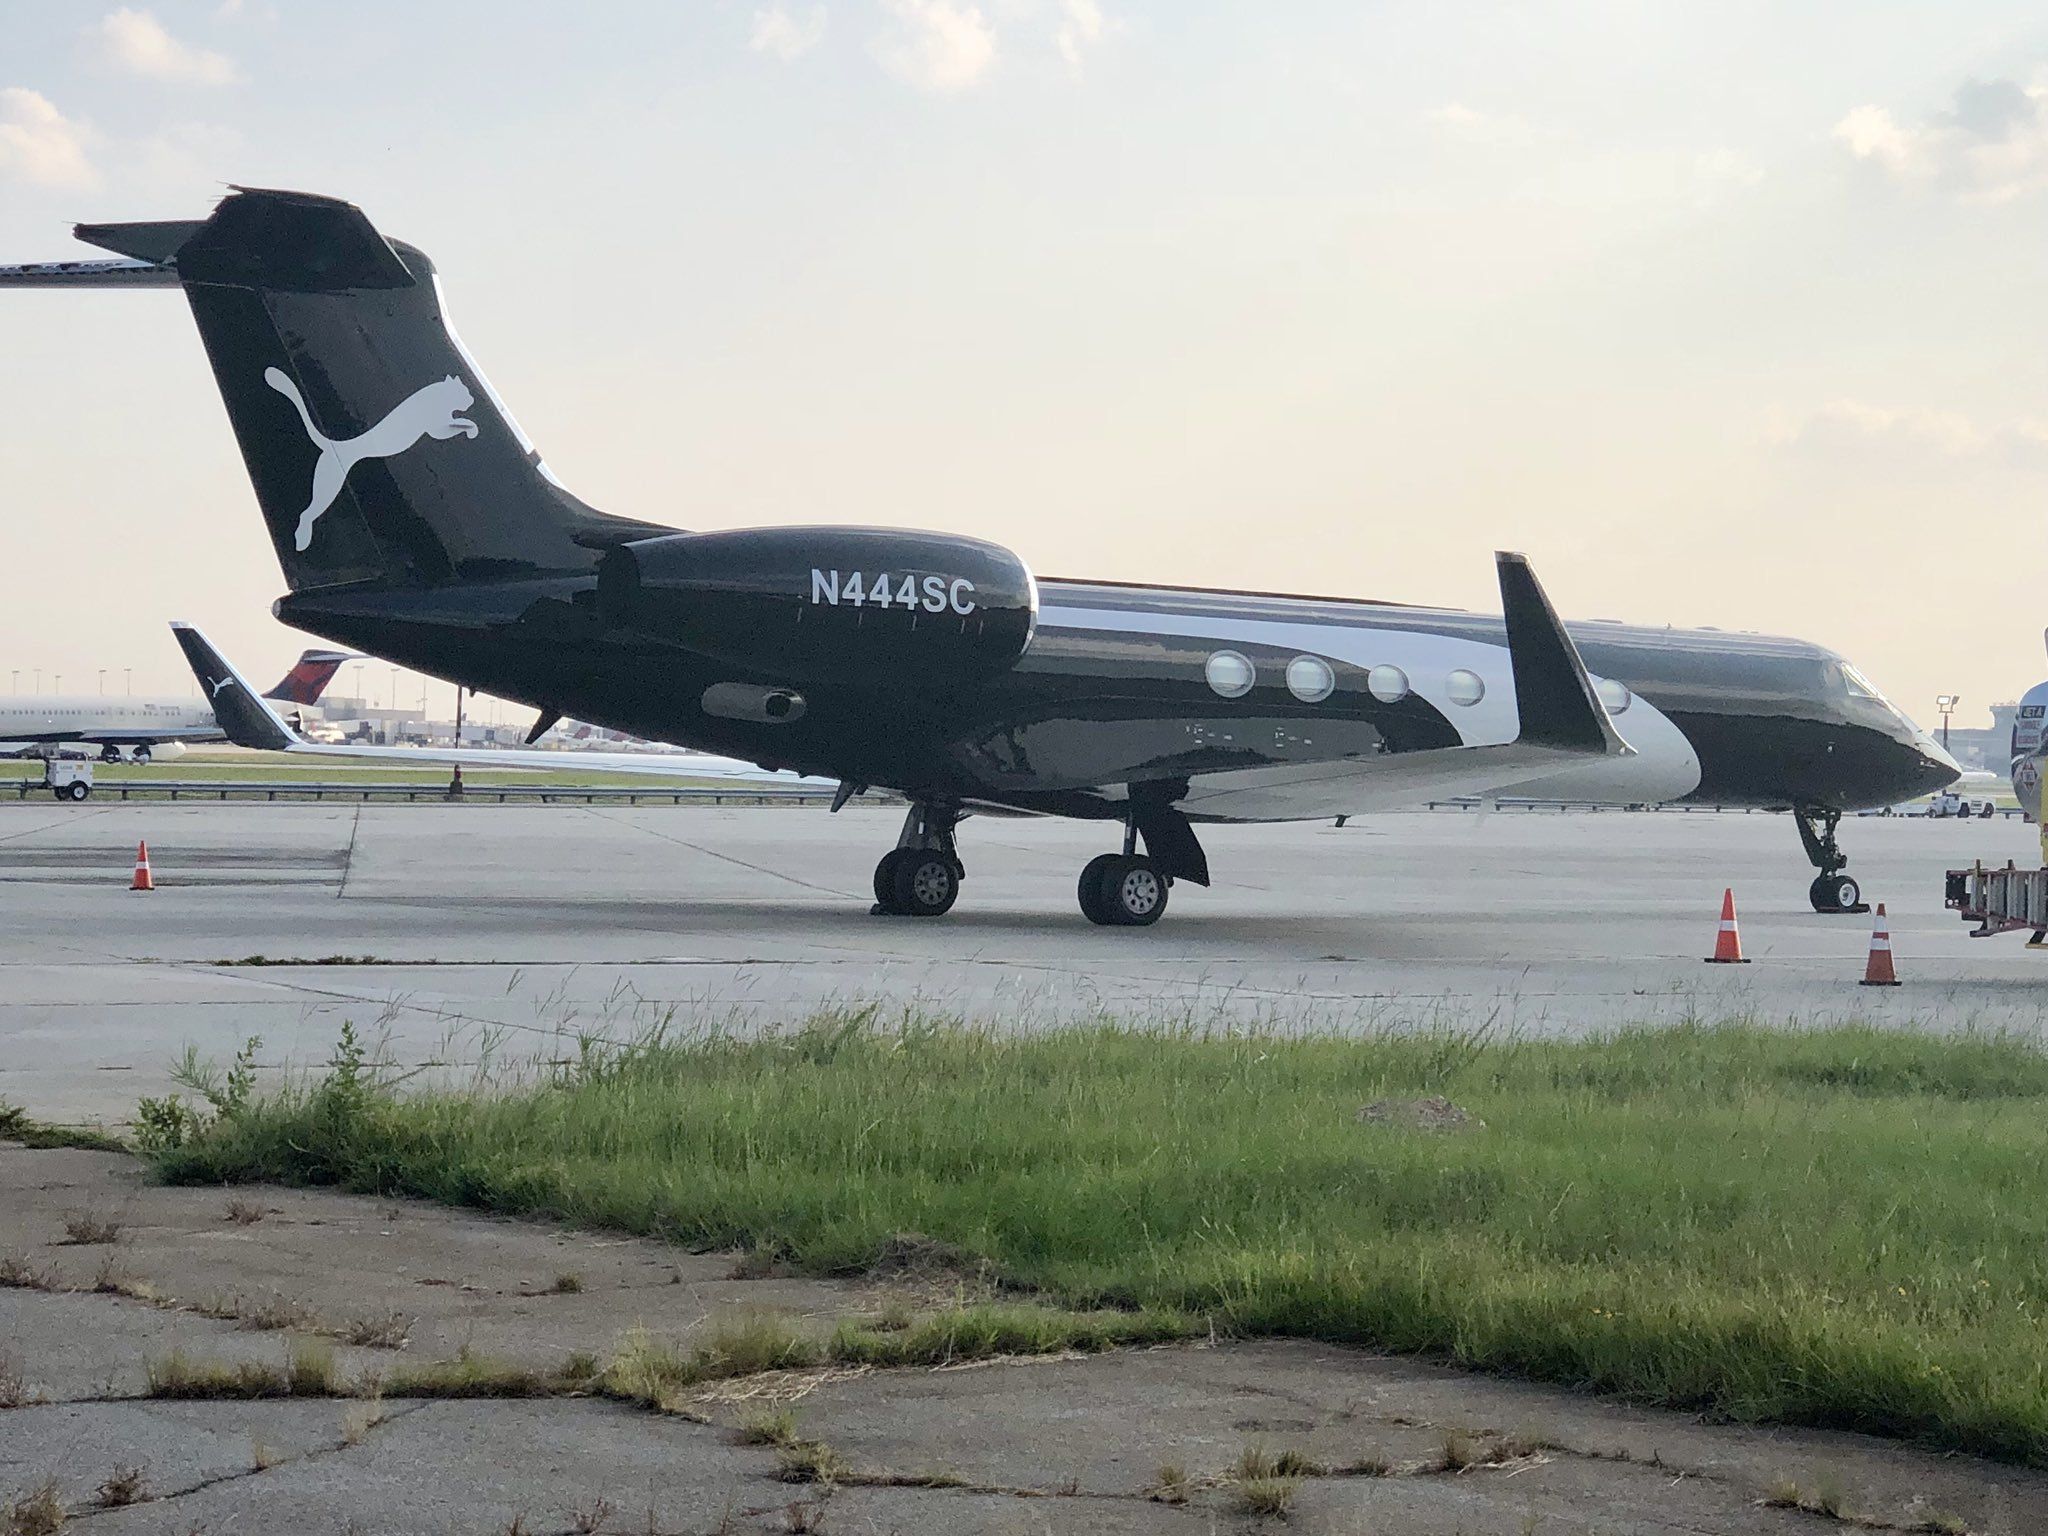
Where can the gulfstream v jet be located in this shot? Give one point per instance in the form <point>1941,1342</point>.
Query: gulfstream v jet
<point>414,519</point>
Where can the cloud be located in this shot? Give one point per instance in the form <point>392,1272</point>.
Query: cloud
<point>1081,26</point>
<point>135,43</point>
<point>1860,428</point>
<point>39,145</point>
<point>937,45</point>
<point>1472,126</point>
<point>1989,146</point>
<point>785,36</point>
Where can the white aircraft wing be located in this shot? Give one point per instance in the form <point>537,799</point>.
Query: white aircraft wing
<point>249,721</point>
<point>1561,724</point>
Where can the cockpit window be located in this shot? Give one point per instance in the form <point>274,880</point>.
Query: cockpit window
<point>1860,687</point>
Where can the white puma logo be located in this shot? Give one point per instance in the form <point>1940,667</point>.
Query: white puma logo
<point>428,412</point>
<point>224,682</point>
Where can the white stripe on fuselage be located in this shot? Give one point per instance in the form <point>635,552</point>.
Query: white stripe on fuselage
<point>1664,766</point>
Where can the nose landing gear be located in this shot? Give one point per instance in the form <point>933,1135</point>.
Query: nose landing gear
<point>1831,891</point>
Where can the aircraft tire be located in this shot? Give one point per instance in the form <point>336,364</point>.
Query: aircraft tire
<point>885,883</point>
<point>1835,893</point>
<point>1094,903</point>
<point>1133,891</point>
<point>926,883</point>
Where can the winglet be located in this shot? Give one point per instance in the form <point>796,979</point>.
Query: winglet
<point>247,719</point>
<point>1558,706</point>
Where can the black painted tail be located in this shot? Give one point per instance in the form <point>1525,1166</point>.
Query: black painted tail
<point>378,451</point>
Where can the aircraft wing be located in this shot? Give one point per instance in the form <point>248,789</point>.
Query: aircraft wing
<point>1561,722</point>
<point>249,721</point>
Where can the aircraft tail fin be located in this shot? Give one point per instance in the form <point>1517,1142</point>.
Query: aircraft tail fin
<point>309,676</point>
<point>248,720</point>
<point>378,451</point>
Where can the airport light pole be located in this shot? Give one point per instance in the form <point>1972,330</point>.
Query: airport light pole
<point>128,678</point>
<point>1946,703</point>
<point>103,682</point>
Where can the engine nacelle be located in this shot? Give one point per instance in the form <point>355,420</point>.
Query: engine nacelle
<point>827,604</point>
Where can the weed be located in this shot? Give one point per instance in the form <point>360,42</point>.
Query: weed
<point>275,1313</point>
<point>16,1125</point>
<point>587,1522</point>
<point>1783,1493</point>
<point>811,1461</point>
<point>1253,1463</point>
<point>124,1485</point>
<point>108,1280</point>
<point>471,1375</point>
<point>19,1272</point>
<point>15,1391</point>
<point>567,1285</point>
<point>1169,1484</point>
<point>387,1330</point>
<point>1267,1495</point>
<point>309,1369</point>
<point>36,1512</point>
<point>87,1228</point>
<point>262,1455</point>
<point>1371,1464</point>
<point>1455,1452</point>
<point>245,1213</point>
<point>1941,1522</point>
<point>803,1519</point>
<point>1294,1463</point>
<point>767,1426</point>
<point>358,1419</point>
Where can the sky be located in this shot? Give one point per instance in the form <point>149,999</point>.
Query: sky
<point>1727,315</point>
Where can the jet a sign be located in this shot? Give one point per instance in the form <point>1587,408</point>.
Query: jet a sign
<point>934,594</point>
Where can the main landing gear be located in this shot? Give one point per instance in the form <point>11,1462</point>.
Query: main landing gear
<point>1831,891</point>
<point>921,875</point>
<point>1124,890</point>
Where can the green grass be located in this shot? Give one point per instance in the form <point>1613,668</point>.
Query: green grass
<point>16,1125</point>
<point>1840,1227</point>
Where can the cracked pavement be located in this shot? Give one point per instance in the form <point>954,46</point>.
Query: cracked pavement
<point>1027,1446</point>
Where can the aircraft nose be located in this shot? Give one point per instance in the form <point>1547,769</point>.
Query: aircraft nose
<point>1923,762</point>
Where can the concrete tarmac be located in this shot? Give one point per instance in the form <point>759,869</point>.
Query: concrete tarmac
<point>501,932</point>
<point>1070,1444</point>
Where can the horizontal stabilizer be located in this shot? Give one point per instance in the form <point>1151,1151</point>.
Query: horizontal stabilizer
<point>1553,694</point>
<point>156,243</point>
<point>88,274</point>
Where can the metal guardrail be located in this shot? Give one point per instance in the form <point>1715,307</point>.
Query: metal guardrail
<point>232,789</point>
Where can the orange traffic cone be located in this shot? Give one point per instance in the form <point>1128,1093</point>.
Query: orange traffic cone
<point>1728,942</point>
<point>143,880</point>
<point>1877,970</point>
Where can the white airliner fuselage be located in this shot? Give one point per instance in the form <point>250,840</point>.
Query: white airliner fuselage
<point>53,719</point>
